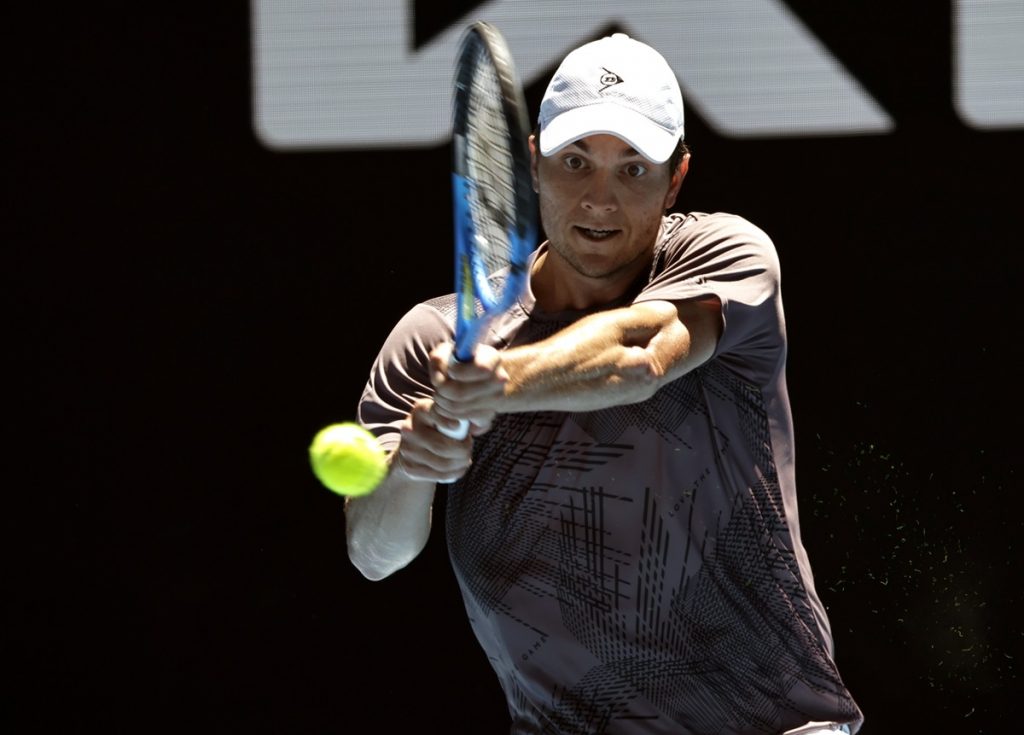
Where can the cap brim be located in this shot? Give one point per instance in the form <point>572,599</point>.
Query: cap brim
<point>649,139</point>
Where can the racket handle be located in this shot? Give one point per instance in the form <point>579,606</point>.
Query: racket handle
<point>460,432</point>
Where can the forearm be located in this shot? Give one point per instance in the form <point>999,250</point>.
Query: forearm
<point>388,528</point>
<point>608,359</point>
<point>588,366</point>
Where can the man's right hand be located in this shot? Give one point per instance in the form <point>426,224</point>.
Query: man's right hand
<point>425,453</point>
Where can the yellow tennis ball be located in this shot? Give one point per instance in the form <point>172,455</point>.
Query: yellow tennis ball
<point>347,459</point>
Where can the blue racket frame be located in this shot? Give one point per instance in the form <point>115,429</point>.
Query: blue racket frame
<point>471,275</point>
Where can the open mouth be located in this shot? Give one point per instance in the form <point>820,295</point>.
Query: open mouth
<point>596,233</point>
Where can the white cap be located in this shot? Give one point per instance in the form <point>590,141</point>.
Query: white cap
<point>616,86</point>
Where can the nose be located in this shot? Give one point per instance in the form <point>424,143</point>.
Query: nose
<point>599,196</point>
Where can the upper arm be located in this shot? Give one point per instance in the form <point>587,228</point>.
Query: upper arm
<point>400,373</point>
<point>733,263</point>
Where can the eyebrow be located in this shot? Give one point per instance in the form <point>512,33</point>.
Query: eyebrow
<point>628,153</point>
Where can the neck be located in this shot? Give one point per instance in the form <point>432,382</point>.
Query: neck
<point>558,287</point>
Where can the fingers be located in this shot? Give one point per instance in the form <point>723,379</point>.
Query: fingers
<point>470,390</point>
<point>484,367</point>
<point>425,453</point>
<point>464,391</point>
<point>481,426</point>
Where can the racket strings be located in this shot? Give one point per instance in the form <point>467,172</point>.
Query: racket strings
<point>492,202</point>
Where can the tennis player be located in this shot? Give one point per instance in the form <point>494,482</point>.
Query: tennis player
<point>623,520</point>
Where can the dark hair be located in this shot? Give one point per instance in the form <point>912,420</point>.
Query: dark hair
<point>677,156</point>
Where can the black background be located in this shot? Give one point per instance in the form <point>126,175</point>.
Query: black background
<point>187,308</point>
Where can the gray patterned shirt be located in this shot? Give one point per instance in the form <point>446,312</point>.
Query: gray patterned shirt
<point>639,569</point>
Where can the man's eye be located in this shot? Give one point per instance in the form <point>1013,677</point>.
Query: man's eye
<point>573,162</point>
<point>635,170</point>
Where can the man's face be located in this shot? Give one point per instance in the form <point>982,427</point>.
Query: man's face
<point>601,204</point>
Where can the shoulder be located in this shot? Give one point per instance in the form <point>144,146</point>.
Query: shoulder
<point>708,244</point>
<point>437,312</point>
<point>421,328</point>
<point>400,372</point>
<point>441,306</point>
<point>702,230</point>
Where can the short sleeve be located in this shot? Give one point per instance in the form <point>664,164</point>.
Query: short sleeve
<point>727,257</point>
<point>400,374</point>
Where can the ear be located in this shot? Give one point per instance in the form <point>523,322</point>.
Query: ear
<point>534,153</point>
<point>677,181</point>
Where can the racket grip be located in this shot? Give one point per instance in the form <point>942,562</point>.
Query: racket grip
<point>460,432</point>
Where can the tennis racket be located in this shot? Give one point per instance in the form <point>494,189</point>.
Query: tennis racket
<point>495,209</point>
